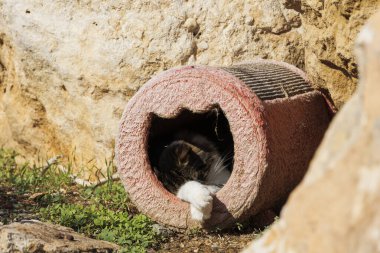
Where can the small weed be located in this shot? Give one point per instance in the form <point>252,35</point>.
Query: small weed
<point>239,226</point>
<point>195,231</point>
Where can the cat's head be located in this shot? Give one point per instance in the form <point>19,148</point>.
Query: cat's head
<point>181,162</point>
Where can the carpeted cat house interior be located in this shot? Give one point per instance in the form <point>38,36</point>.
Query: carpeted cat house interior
<point>263,115</point>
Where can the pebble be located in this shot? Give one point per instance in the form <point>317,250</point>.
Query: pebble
<point>161,230</point>
<point>191,25</point>
<point>214,246</point>
<point>202,45</point>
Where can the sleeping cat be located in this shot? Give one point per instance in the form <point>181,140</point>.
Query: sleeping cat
<point>192,168</point>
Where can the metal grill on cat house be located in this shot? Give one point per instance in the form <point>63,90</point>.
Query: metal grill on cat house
<point>264,114</point>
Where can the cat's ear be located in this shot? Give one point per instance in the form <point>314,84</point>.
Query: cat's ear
<point>203,156</point>
<point>183,153</point>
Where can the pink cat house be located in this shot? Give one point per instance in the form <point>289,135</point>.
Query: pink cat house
<point>264,114</point>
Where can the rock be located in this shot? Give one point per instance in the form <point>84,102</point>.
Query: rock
<point>191,25</point>
<point>330,29</point>
<point>335,208</point>
<point>67,68</point>
<point>165,232</point>
<point>35,236</point>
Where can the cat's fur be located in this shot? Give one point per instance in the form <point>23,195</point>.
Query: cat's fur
<point>192,168</point>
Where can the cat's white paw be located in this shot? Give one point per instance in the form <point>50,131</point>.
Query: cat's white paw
<point>200,198</point>
<point>213,188</point>
<point>202,203</point>
<point>197,214</point>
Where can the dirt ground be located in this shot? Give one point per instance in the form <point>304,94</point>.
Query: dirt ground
<point>204,243</point>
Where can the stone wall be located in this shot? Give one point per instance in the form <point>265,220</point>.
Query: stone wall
<point>67,68</point>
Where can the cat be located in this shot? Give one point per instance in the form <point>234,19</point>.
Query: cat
<point>192,168</point>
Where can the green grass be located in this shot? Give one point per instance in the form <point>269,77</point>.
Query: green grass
<point>29,179</point>
<point>103,212</point>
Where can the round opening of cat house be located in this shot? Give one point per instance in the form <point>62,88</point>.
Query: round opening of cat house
<point>203,101</point>
<point>210,127</point>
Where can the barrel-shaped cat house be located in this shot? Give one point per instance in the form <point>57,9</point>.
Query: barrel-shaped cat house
<point>264,115</point>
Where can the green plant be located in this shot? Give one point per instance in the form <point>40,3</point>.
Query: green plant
<point>27,178</point>
<point>103,212</point>
<point>195,231</point>
<point>111,195</point>
<point>100,222</point>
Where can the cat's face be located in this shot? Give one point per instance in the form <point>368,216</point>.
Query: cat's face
<point>181,162</point>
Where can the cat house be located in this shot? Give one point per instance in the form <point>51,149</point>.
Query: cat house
<point>264,114</point>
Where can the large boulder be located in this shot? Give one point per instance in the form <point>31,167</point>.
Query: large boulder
<point>67,68</point>
<point>34,237</point>
<point>336,207</point>
<point>330,29</point>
